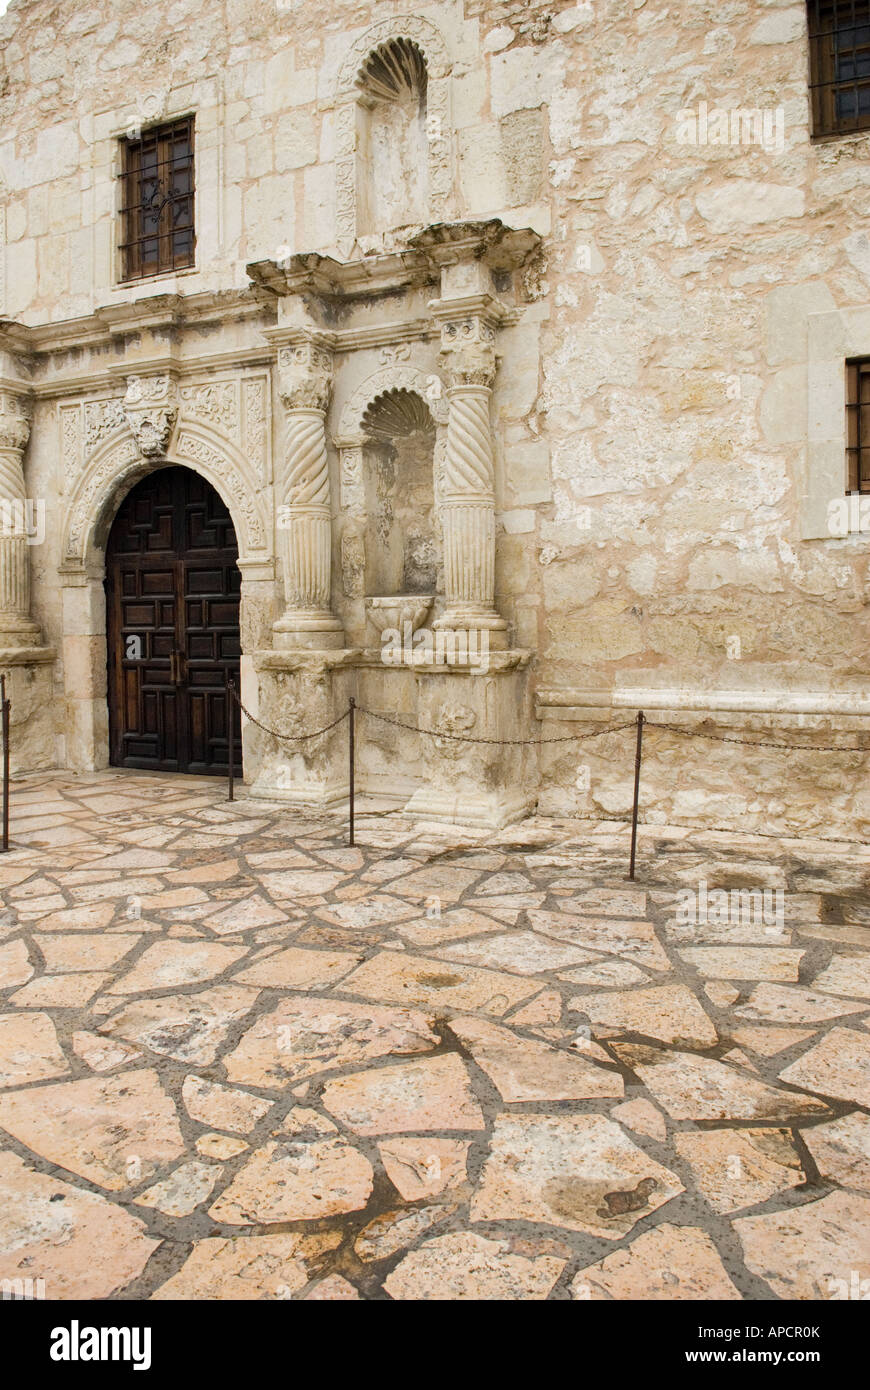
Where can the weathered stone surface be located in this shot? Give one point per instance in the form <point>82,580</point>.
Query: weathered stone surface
<point>422,1166</point>
<point>669,1012</point>
<point>305,1036</point>
<point>642,1117</point>
<point>113,1131</point>
<point>768,1041</point>
<point>168,964</point>
<point>102,1054</point>
<point>399,978</point>
<point>87,951</point>
<point>837,1066</point>
<point>29,1050</point>
<point>190,1028</point>
<point>296,1181</point>
<point>248,1267</point>
<point>577,1171</point>
<point>841,1150</point>
<point>524,952</point>
<point>699,1088</point>
<point>670,1262</point>
<point>524,1070</point>
<point>744,962</point>
<point>786,1004</point>
<point>393,1230</point>
<point>633,940</point>
<point>848,974</point>
<point>15,967</point>
<point>79,1243</point>
<point>432,1094</point>
<point>810,1252</point>
<point>183,1191</point>
<point>222,1106</point>
<point>740,1168</point>
<point>465,1265</point>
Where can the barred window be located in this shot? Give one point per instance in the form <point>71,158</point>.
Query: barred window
<point>839,65</point>
<point>858,424</point>
<point>157,201</point>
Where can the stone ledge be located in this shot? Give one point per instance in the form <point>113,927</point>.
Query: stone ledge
<point>27,656</point>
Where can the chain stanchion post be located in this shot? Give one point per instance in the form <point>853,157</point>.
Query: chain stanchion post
<point>351,755</point>
<point>4,706</point>
<point>637,758</point>
<point>231,724</point>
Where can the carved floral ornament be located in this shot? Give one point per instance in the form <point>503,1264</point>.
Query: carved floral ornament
<point>14,421</point>
<point>468,352</point>
<point>304,377</point>
<point>151,410</point>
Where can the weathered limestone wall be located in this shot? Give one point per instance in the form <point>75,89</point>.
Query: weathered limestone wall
<point>668,417</point>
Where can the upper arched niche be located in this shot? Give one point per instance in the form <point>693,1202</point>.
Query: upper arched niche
<point>394,162</point>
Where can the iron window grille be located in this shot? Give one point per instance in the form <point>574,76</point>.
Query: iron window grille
<point>858,424</point>
<point>157,216</point>
<point>839,65</point>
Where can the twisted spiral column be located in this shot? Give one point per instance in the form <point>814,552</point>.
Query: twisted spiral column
<point>16,627</point>
<point>468,513</point>
<point>305,517</point>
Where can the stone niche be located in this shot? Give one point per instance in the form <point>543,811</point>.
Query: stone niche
<point>392,153</point>
<point>408,532</point>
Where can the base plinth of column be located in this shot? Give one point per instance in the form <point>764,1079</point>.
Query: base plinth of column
<point>482,810</point>
<point>19,632</point>
<point>475,620</point>
<point>314,629</point>
<point>305,792</point>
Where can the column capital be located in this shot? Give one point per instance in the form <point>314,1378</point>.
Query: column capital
<point>15,418</point>
<point>305,374</point>
<point>468,351</point>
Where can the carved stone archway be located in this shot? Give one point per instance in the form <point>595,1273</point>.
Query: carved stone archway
<point>441,159</point>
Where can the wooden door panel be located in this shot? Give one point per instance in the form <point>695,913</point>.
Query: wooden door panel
<point>173,584</point>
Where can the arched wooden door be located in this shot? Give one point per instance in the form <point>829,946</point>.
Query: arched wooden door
<point>172,596</point>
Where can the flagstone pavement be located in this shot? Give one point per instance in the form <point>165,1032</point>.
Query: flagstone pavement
<point>239,1059</point>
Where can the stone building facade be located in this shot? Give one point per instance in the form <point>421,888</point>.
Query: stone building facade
<point>495,328</point>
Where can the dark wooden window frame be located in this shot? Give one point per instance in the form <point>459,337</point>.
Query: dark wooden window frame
<point>839,33</point>
<point>858,424</point>
<point>158,191</point>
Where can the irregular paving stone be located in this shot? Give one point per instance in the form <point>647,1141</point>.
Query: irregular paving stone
<point>15,967</point>
<point>310,1124</point>
<point>789,1004</point>
<point>613,902</point>
<point>465,1266</point>
<point>188,1027</point>
<point>546,1007</point>
<point>609,974</point>
<point>294,883</point>
<point>813,1251</point>
<point>298,969</point>
<point>219,1146</point>
<point>581,1172</point>
<point>374,911</point>
<point>101,1054</point>
<point>112,1130</point>
<point>87,951</point>
<point>444,881</point>
<point>667,1263</point>
<point>252,911</point>
<point>635,941</point>
<point>432,1094</point>
<point>169,964</point>
<point>841,1149</point>
<point>397,977</point>
<point>699,1088</point>
<point>222,1107</point>
<point>837,1066</point>
<point>768,1041</point>
<point>452,925</point>
<point>421,1166</point>
<point>722,995</point>
<point>29,1050</point>
<point>296,1181</point>
<point>848,974</point>
<point>522,1069</point>
<point>248,1267</point>
<point>642,1117</point>
<point>668,1012</point>
<point>81,1244</point>
<point>305,1036</point>
<point>737,1168</point>
<point>333,1288</point>
<point>524,952</point>
<point>60,991</point>
<point>393,1230</point>
<point>183,1191</point>
<point>744,962</point>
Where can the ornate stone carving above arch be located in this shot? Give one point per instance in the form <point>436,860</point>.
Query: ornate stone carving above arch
<point>441,173</point>
<point>117,463</point>
<point>397,377</point>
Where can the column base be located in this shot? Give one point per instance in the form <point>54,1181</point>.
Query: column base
<point>483,810</point>
<point>19,632</point>
<point>312,629</point>
<point>471,619</point>
<point>322,796</point>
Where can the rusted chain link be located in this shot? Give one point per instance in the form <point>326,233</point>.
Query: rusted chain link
<point>758,743</point>
<point>502,742</point>
<point>285,738</point>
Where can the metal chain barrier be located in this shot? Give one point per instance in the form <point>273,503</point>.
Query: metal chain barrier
<point>760,743</point>
<point>502,742</point>
<point>285,738</point>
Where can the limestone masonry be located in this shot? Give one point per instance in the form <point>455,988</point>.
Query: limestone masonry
<point>515,339</point>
